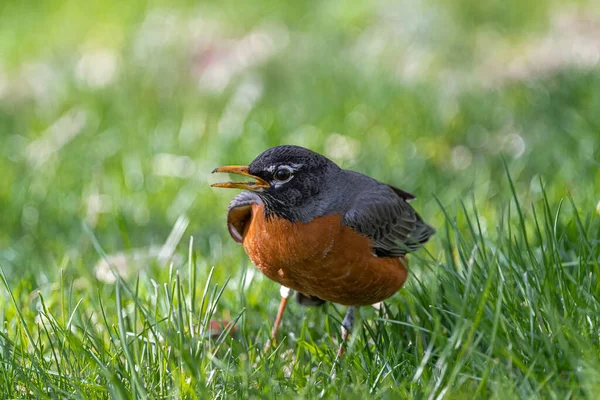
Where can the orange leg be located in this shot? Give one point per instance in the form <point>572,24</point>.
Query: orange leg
<point>285,295</point>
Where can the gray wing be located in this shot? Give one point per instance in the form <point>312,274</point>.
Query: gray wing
<point>384,215</point>
<point>239,214</point>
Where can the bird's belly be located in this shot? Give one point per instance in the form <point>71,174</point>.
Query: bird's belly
<point>322,258</point>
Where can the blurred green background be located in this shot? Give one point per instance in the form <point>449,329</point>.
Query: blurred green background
<point>113,114</point>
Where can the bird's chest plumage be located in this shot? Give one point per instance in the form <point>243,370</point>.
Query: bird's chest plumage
<point>321,258</point>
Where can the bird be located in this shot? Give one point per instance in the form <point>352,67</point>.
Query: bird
<point>326,233</point>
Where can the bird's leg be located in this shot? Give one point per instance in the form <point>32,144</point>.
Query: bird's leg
<point>347,326</point>
<point>285,295</point>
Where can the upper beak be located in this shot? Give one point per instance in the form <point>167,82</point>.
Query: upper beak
<point>259,183</point>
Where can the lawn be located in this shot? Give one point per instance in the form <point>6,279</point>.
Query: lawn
<point>114,253</point>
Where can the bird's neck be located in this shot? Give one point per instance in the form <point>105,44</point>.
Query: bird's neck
<point>306,212</point>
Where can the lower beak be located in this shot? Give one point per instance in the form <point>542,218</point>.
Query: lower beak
<point>257,184</point>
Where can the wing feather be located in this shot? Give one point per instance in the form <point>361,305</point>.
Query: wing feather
<point>384,215</point>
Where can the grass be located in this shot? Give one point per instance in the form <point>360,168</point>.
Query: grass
<point>509,313</point>
<point>114,254</point>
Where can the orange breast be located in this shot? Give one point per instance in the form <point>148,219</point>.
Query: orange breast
<point>322,258</point>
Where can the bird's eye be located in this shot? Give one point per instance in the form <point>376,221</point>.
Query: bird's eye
<point>283,174</point>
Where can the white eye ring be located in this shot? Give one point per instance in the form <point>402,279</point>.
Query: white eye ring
<point>284,178</point>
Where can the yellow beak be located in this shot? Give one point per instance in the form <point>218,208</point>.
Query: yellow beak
<point>259,183</point>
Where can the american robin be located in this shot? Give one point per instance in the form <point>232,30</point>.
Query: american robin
<point>327,233</point>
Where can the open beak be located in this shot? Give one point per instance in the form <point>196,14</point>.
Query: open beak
<point>257,184</point>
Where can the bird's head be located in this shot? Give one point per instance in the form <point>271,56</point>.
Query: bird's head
<point>286,178</point>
